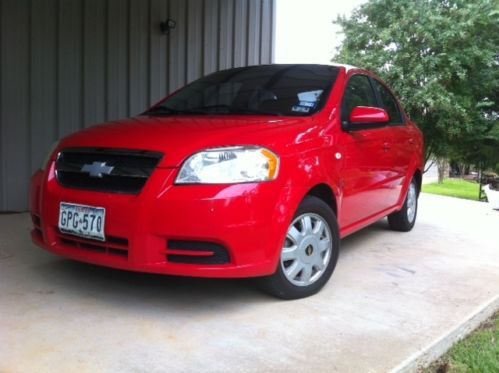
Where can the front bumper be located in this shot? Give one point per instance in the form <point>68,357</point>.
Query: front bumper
<point>248,220</point>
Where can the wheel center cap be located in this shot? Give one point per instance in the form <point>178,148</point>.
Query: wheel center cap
<point>309,250</point>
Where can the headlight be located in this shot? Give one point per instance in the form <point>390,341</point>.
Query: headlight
<point>47,157</point>
<point>239,164</point>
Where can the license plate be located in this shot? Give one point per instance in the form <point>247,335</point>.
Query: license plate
<point>83,221</point>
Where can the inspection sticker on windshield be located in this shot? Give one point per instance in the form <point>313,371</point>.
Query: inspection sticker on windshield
<point>300,108</point>
<point>307,104</point>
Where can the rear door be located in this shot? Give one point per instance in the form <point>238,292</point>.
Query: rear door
<point>402,134</point>
<point>367,167</point>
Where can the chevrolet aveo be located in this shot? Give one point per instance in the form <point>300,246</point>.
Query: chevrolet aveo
<point>248,172</point>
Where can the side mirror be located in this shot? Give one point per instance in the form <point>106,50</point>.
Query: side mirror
<point>368,115</point>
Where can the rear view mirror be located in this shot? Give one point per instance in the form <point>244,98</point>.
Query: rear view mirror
<point>368,115</point>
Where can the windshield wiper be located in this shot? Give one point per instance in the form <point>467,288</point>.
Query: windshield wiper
<point>254,111</point>
<point>232,110</point>
<point>162,110</point>
<point>204,110</point>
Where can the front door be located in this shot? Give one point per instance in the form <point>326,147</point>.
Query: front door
<point>367,168</point>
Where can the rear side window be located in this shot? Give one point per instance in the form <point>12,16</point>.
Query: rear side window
<point>389,103</point>
<point>358,93</point>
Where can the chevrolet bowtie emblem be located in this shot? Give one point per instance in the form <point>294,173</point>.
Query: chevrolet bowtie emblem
<point>97,169</point>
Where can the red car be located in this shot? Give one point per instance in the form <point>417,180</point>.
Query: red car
<point>248,172</point>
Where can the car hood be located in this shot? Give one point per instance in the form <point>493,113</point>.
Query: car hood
<point>181,136</point>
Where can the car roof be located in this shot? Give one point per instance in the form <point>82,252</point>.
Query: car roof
<point>340,65</point>
<point>346,67</point>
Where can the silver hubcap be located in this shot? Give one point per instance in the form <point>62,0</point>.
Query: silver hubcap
<point>307,249</point>
<point>411,203</point>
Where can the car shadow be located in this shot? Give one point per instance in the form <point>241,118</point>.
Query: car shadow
<point>359,238</point>
<point>143,290</point>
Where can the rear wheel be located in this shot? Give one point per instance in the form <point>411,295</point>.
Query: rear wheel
<point>404,219</point>
<point>309,253</point>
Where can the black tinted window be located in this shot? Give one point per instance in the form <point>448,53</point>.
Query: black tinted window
<point>273,89</point>
<point>389,103</point>
<point>358,93</point>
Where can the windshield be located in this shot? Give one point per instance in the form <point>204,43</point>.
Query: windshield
<point>296,90</point>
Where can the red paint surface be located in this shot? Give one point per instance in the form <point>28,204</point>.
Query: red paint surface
<point>366,114</point>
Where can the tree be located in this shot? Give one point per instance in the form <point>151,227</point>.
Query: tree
<point>439,56</point>
<point>483,152</point>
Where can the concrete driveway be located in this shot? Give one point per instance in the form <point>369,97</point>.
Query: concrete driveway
<point>392,296</point>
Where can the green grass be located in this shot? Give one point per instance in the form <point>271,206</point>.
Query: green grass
<point>479,352</point>
<point>454,188</point>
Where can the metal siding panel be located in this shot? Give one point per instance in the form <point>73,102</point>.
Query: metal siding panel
<point>272,29</point>
<point>177,47</point>
<point>93,62</point>
<point>266,32</point>
<point>2,157</point>
<point>210,36</point>
<point>194,39</point>
<point>254,17</point>
<point>240,33</point>
<point>117,59</point>
<point>43,66</point>
<point>158,50</point>
<point>69,75</point>
<point>225,39</point>
<point>14,97</point>
<point>139,51</point>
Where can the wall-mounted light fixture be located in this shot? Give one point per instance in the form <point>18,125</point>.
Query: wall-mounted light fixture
<point>167,25</point>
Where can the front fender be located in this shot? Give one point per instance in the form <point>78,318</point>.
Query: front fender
<point>300,175</point>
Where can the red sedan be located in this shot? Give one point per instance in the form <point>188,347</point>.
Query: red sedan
<point>248,172</point>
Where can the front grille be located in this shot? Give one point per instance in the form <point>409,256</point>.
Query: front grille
<point>196,252</point>
<point>113,245</point>
<point>106,170</point>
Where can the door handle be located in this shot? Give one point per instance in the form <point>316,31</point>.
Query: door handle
<point>386,146</point>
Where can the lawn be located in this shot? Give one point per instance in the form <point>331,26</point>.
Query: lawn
<point>454,188</point>
<point>479,352</point>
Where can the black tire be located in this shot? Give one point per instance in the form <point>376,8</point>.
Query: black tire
<point>399,221</point>
<point>278,285</point>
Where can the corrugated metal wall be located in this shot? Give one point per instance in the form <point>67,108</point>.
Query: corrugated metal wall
<point>68,64</point>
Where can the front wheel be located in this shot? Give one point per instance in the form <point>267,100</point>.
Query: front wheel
<point>404,219</point>
<point>309,254</point>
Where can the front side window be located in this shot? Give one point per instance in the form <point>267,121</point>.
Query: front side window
<point>296,90</point>
<point>389,103</point>
<point>358,93</point>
